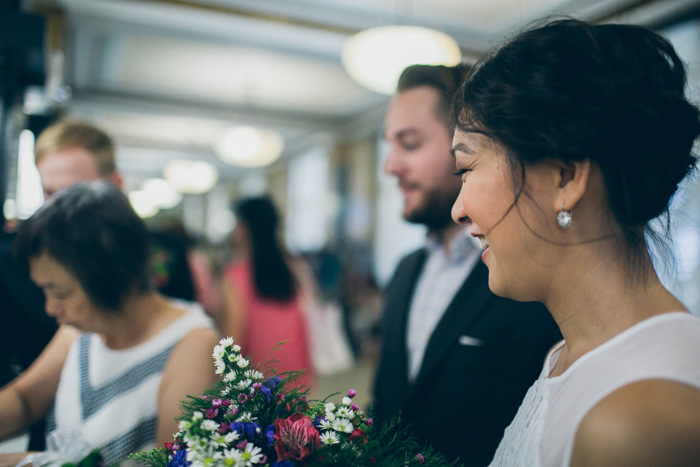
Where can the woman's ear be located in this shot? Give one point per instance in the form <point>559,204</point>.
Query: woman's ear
<point>573,181</point>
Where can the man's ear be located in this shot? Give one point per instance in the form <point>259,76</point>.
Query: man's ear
<point>116,179</point>
<point>573,181</point>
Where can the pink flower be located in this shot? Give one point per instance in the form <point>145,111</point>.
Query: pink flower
<point>358,434</point>
<point>295,437</point>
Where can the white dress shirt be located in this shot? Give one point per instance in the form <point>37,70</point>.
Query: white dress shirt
<point>443,274</point>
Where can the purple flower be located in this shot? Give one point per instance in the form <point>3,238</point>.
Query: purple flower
<point>242,398</point>
<point>268,394</point>
<point>273,382</point>
<point>420,457</point>
<point>270,435</point>
<point>211,412</point>
<point>179,459</point>
<point>354,407</point>
<point>352,393</point>
<point>252,430</point>
<point>224,428</point>
<point>369,422</point>
<point>217,403</point>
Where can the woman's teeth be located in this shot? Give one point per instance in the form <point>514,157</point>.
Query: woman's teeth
<point>483,243</point>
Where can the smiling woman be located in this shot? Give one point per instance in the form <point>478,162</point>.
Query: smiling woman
<point>113,372</point>
<point>570,139</point>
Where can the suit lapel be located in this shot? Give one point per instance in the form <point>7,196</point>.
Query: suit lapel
<point>468,304</point>
<point>399,299</point>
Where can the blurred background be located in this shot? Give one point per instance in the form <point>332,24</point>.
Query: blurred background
<point>212,100</point>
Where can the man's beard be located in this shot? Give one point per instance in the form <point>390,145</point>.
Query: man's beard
<point>435,212</point>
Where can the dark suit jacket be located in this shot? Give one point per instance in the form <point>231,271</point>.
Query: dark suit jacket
<point>464,395</point>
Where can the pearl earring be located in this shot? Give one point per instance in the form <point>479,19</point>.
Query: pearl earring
<point>564,219</point>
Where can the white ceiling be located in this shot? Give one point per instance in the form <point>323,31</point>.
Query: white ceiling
<point>166,77</point>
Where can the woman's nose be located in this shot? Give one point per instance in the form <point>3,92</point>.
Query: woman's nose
<point>52,307</point>
<point>458,214</point>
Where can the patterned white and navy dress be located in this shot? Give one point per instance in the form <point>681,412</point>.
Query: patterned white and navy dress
<point>111,396</point>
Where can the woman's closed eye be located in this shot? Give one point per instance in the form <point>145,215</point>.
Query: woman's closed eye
<point>460,172</point>
<point>61,295</point>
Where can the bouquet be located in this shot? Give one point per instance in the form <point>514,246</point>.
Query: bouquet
<point>248,419</point>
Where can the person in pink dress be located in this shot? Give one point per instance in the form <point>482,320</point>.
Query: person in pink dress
<point>265,292</point>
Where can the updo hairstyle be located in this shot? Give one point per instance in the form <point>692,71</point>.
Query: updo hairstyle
<point>610,93</point>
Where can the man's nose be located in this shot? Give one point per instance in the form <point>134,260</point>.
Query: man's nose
<point>393,164</point>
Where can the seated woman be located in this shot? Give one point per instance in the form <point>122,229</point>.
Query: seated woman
<point>124,356</point>
<point>570,139</point>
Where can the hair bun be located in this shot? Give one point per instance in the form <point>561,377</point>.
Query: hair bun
<point>649,151</point>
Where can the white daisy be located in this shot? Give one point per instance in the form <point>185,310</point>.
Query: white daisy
<point>329,437</point>
<point>325,424</point>
<point>347,401</point>
<point>254,375</point>
<point>251,455</point>
<point>226,342</point>
<point>343,425</point>
<point>345,412</point>
<point>209,425</point>
<point>241,362</point>
<point>244,384</point>
<point>231,437</point>
<point>246,417</point>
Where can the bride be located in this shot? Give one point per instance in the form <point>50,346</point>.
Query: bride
<point>570,139</point>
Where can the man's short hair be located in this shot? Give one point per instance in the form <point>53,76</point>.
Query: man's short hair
<point>77,134</point>
<point>446,80</point>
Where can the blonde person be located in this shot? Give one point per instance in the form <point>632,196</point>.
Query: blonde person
<point>570,139</point>
<point>124,356</point>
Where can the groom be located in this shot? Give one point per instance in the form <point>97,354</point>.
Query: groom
<point>456,360</point>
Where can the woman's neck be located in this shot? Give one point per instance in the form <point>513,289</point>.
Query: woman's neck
<point>593,298</point>
<point>142,316</point>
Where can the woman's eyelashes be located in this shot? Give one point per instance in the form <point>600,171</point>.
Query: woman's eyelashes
<point>460,172</point>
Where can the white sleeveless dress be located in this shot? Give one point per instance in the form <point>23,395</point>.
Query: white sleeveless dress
<point>111,396</point>
<point>542,434</point>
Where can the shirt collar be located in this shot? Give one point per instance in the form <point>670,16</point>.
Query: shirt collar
<point>461,245</point>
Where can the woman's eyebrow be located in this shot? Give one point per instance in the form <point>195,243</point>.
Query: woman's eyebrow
<point>461,147</point>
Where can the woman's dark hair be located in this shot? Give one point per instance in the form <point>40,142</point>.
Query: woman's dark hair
<point>91,229</point>
<point>271,274</point>
<point>610,93</point>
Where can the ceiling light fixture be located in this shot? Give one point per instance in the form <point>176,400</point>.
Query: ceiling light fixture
<point>376,57</point>
<point>247,146</point>
<point>193,177</point>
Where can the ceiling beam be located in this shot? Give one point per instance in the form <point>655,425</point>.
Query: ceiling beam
<point>84,99</point>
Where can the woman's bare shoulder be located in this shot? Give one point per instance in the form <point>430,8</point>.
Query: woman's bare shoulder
<point>646,423</point>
